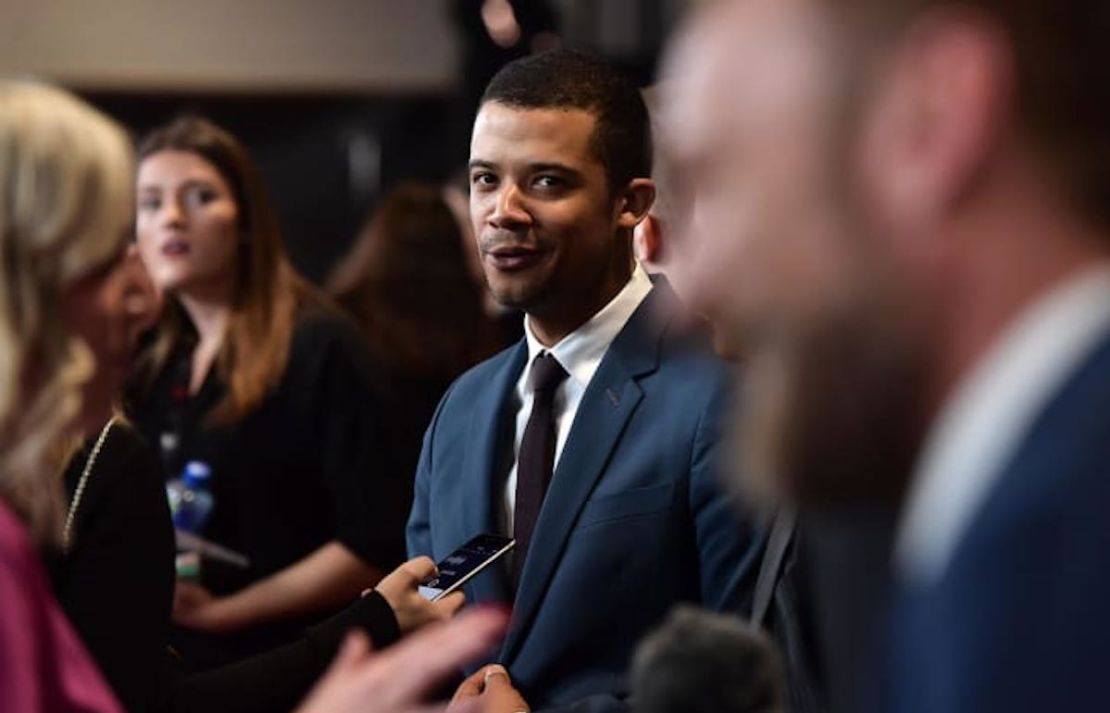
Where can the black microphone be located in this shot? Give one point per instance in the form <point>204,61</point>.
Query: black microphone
<point>702,662</point>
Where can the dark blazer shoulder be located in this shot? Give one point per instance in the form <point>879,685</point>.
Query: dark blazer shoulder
<point>681,348</point>
<point>1062,462</point>
<point>1033,563</point>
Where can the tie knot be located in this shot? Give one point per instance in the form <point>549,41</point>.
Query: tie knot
<point>547,373</point>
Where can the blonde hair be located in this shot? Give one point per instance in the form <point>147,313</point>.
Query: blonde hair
<point>65,207</point>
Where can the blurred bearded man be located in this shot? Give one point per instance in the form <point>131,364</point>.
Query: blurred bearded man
<point>901,211</point>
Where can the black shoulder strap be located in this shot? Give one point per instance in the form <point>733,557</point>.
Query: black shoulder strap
<point>782,533</point>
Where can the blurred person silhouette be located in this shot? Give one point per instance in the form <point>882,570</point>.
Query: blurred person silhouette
<point>407,284</point>
<point>70,313</point>
<point>253,374</point>
<point>902,213</point>
<point>64,214</point>
<point>822,583</point>
<point>112,572</point>
<point>824,577</point>
<point>704,661</point>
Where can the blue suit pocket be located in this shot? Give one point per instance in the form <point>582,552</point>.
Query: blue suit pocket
<point>625,506</point>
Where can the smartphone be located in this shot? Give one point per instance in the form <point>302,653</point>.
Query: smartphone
<point>457,568</point>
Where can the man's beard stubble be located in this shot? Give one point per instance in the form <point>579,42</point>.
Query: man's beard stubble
<point>831,414</point>
<point>833,404</point>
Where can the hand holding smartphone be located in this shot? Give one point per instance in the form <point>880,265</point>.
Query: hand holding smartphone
<point>459,567</point>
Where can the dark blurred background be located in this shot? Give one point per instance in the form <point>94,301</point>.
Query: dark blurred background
<point>337,99</point>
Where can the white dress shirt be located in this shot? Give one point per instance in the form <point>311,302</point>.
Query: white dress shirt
<point>579,353</point>
<point>982,424</point>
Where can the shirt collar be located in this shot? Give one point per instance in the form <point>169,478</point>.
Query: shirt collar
<point>581,351</point>
<point>981,426</point>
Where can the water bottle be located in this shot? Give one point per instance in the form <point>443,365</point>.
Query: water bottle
<point>190,499</point>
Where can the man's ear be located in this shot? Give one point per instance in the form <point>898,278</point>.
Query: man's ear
<point>939,116</point>
<point>634,202</point>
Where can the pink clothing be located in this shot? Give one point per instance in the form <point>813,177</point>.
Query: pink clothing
<point>44,668</point>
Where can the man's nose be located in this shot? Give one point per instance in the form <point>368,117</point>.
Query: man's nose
<point>509,210</point>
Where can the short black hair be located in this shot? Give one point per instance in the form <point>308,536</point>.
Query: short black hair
<point>569,79</point>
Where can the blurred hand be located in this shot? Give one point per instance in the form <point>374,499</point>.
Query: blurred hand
<point>396,680</point>
<point>492,688</point>
<point>194,607</point>
<point>399,588</point>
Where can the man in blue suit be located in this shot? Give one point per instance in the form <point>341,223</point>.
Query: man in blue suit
<point>593,441</point>
<point>907,223</point>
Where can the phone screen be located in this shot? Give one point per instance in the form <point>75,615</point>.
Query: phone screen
<point>468,560</point>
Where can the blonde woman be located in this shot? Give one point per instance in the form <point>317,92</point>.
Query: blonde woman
<point>66,174</point>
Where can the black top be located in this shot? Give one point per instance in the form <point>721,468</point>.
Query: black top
<point>116,581</point>
<point>116,586</point>
<point>304,468</point>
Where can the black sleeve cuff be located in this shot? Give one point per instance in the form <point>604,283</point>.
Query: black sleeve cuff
<point>372,614</point>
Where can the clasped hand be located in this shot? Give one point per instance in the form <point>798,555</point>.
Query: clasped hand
<point>492,689</point>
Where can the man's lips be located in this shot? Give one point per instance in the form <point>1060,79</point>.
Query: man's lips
<point>511,258</point>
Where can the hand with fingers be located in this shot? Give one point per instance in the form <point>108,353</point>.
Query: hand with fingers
<point>400,590</point>
<point>397,680</point>
<point>492,687</point>
<point>194,607</point>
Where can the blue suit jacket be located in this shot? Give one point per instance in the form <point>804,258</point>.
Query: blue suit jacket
<point>1020,620</point>
<point>634,519</point>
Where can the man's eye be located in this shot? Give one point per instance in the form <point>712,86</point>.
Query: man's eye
<point>483,179</point>
<point>149,203</point>
<point>548,182</point>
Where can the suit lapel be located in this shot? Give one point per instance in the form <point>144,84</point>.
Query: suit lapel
<point>485,454</point>
<point>609,401</point>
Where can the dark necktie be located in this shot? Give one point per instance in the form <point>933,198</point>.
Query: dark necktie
<point>537,456</point>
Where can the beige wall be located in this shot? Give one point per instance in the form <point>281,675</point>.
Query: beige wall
<point>231,45</point>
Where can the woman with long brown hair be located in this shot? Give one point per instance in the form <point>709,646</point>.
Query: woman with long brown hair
<point>251,373</point>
